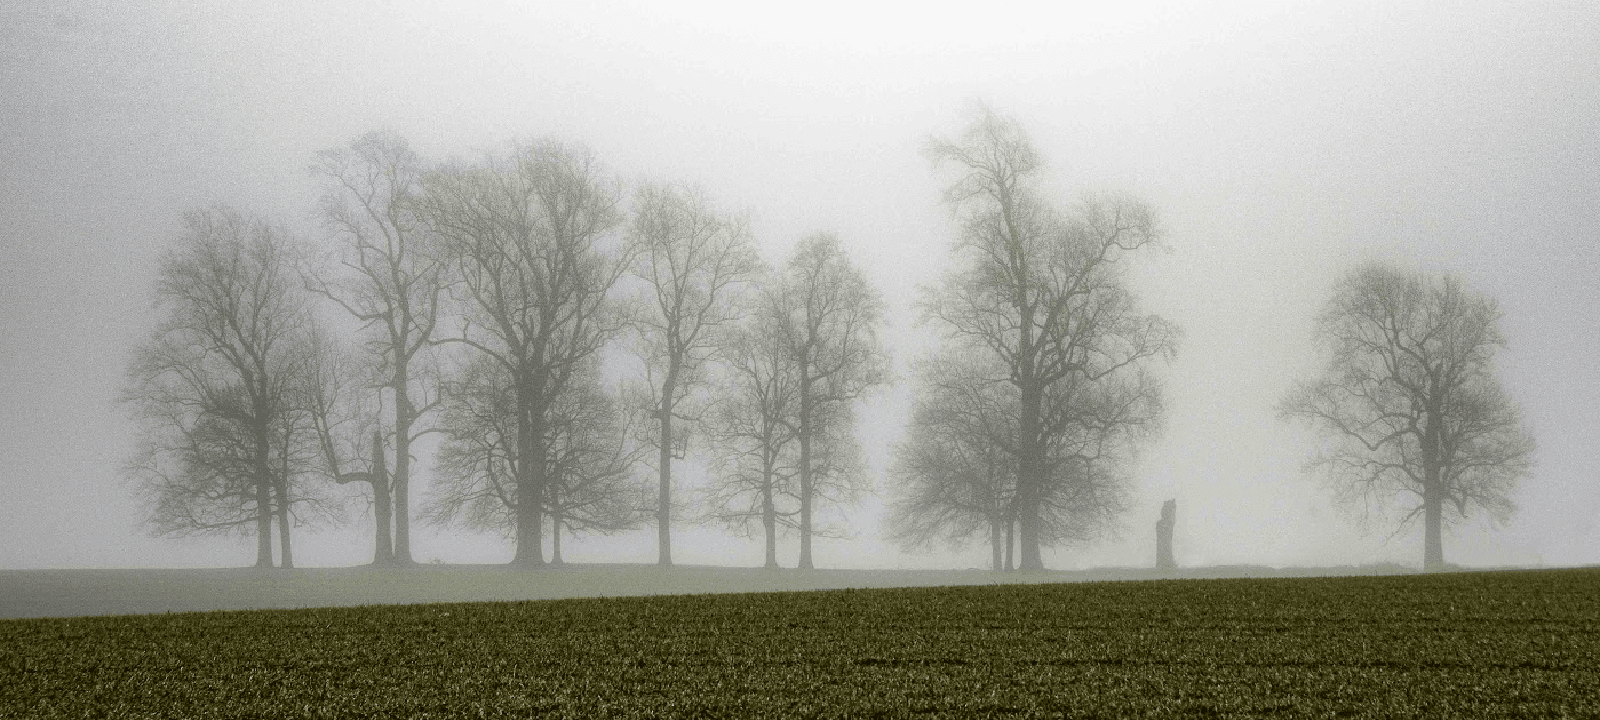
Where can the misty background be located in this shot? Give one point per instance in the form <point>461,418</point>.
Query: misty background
<point>1281,143</point>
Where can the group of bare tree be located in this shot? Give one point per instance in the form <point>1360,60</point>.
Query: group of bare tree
<point>494,296</point>
<point>807,352</point>
<point>1028,415</point>
<point>487,294</point>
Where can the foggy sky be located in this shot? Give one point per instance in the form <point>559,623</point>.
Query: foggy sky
<point>1282,143</point>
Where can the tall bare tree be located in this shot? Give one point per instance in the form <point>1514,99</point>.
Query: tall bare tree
<point>693,261</point>
<point>827,317</point>
<point>752,423</point>
<point>220,388</point>
<point>391,278</point>
<point>1043,293</point>
<point>1410,403</point>
<point>529,234</point>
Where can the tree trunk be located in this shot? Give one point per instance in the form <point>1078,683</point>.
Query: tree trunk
<point>1164,525</point>
<point>1432,490</point>
<point>1432,533</point>
<point>264,486</point>
<point>805,465</point>
<point>263,525</point>
<point>530,477</point>
<point>1031,559</point>
<point>769,518</point>
<point>382,550</point>
<point>995,538</point>
<point>1030,468</point>
<point>1011,541</point>
<point>280,483</point>
<point>664,499</point>
<point>285,553</point>
<point>404,417</point>
<point>1029,485</point>
<point>555,540</point>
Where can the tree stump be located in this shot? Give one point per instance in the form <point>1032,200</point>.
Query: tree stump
<point>1169,517</point>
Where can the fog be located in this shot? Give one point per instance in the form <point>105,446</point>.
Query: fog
<point>1281,143</point>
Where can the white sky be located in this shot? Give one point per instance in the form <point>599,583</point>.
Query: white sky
<point>1281,141</point>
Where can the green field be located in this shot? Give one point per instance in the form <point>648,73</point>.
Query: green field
<point>1523,644</point>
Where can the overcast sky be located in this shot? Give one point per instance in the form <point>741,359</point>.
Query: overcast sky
<point>1282,143</point>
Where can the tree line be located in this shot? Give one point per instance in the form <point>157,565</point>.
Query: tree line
<point>494,297</point>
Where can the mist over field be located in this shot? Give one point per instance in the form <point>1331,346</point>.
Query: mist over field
<point>1281,146</point>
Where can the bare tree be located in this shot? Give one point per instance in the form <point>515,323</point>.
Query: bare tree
<point>693,260</point>
<point>592,460</point>
<point>753,425</point>
<point>589,459</point>
<point>1095,428</point>
<point>827,317</point>
<point>343,415</point>
<point>1043,293</point>
<point>391,279</point>
<point>220,389</point>
<point>528,236</point>
<point>956,470</point>
<point>1410,403</point>
<point>478,462</point>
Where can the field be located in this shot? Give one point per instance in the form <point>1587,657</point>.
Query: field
<point>1523,643</point>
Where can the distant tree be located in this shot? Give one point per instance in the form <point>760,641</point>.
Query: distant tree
<point>592,486</point>
<point>1410,404</point>
<point>827,316</point>
<point>390,277</point>
<point>956,469</point>
<point>528,236</point>
<point>1042,293</point>
<point>590,462</point>
<point>693,261</point>
<point>221,389</point>
<point>752,423</point>
<point>344,416</point>
<point>478,461</point>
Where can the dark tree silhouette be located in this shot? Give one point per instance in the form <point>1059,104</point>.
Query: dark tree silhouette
<point>221,389</point>
<point>753,426</point>
<point>527,234</point>
<point>693,261</point>
<point>589,460</point>
<point>1410,404</point>
<point>390,277</point>
<point>1042,293</point>
<point>1164,526</point>
<point>956,469</point>
<point>477,462</point>
<point>345,420</point>
<point>827,317</point>
<point>592,462</point>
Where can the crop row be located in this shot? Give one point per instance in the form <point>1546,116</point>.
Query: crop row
<point>1473,644</point>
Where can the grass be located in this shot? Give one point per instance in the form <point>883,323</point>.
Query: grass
<point>65,593</point>
<point>1523,644</point>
